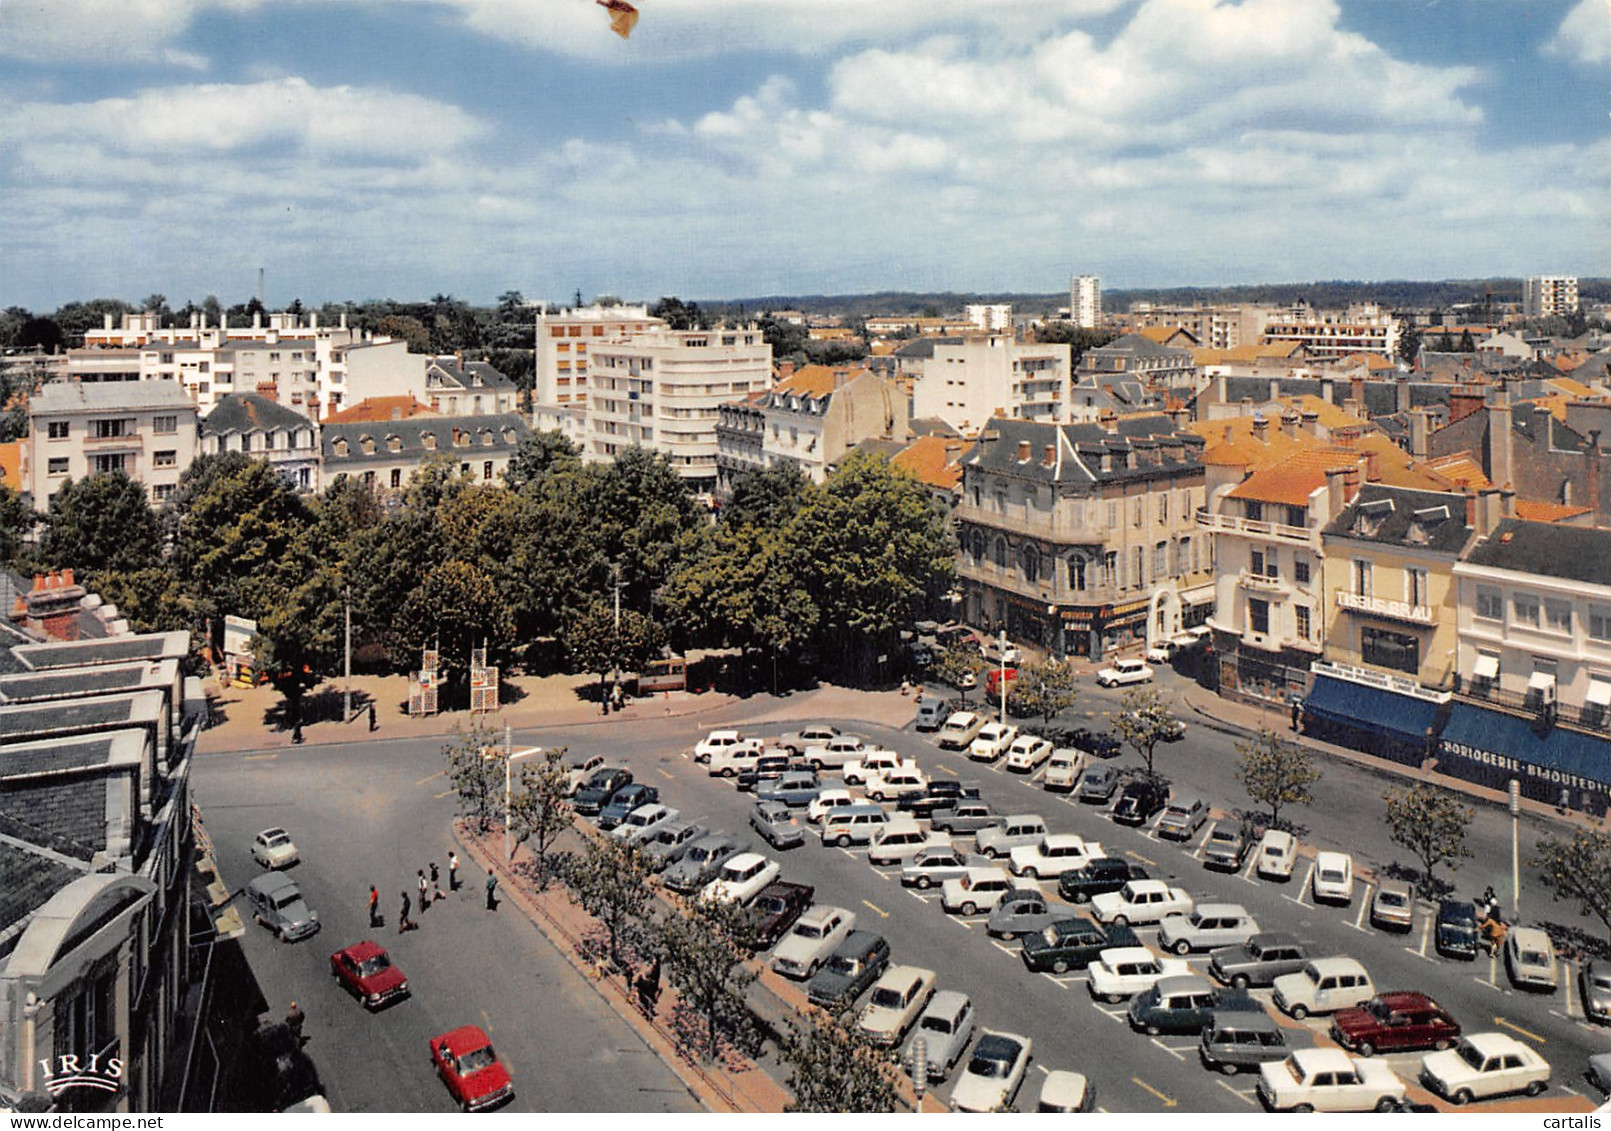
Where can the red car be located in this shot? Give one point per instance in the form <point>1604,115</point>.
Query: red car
<point>1395,1022</point>
<point>474,1075</point>
<point>366,970</point>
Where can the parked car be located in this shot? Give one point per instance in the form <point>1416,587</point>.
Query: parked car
<point>1124,672</point>
<point>979,889</point>
<point>1600,1071</point>
<point>1052,855</point>
<point>794,788</point>
<point>1206,927</point>
<point>466,1062</point>
<point>898,997</point>
<point>1121,971</point>
<point>993,650</point>
<point>727,761</point>
<point>858,770</point>
<point>831,797</point>
<point>276,901</point>
<point>365,970</point>
<point>1097,743</point>
<point>1455,934</point>
<point>884,785</point>
<point>994,678</point>
<point>1020,913</point>
<point>965,817</point>
<point>1594,990</point>
<point>1181,819</point>
<point>939,793</point>
<point>1071,944</point>
<point>936,864</point>
<point>776,824</point>
<point>578,769</point>
<point>1324,985</point>
<point>797,742</point>
<point>814,937</point>
<point>1140,901</point>
<point>992,741</point>
<point>623,801</point>
<point>852,824</point>
<point>1234,1040</point>
<point>1485,1065</point>
<point>1277,855</point>
<point>289,1078</point>
<point>1102,874</point>
<point>771,766</point>
<point>1530,960</point>
<point>1063,1092</point>
<point>1260,960</point>
<point>1333,878</point>
<point>1326,1079</point>
<point>854,965</point>
<point>742,878</point>
<point>945,1028</point>
<point>700,863</point>
<point>643,821</point>
<point>1183,1004</point>
<point>714,742</point>
<point>1062,769</point>
<point>1139,800</point>
<point>994,1073</point>
<point>1160,652</point>
<point>777,908</point>
<point>666,845</point>
<point>1098,785</point>
<point>1012,832</point>
<point>1392,908</point>
<point>959,731</point>
<point>901,840</point>
<point>931,712</point>
<point>1395,1022</point>
<point>273,848</point>
<point>1027,752</point>
<point>1226,847</point>
<point>596,793</point>
<point>838,751</point>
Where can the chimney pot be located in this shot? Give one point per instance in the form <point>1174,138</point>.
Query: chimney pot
<point>1050,456</point>
<point>67,578</point>
<point>1023,451</point>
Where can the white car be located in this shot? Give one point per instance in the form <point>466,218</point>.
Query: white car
<point>992,649</point>
<point>901,840</point>
<point>1333,880</point>
<point>715,741</point>
<point>935,865</point>
<point>1140,901</point>
<point>1012,832</point>
<point>858,770</point>
<point>897,998</point>
<point>273,848</point>
<point>959,730</point>
<point>643,822</point>
<point>1052,855</point>
<point>1063,770</point>
<point>1123,971</point>
<point>814,937</point>
<point>992,741</point>
<point>579,769</point>
<point>1162,652</point>
<point>1484,1065</point>
<point>1124,671</point>
<point>837,751</point>
<point>1277,853</point>
<point>1063,1092</point>
<point>883,785</point>
<point>1324,985</point>
<point>1026,752</point>
<point>727,761</point>
<point>742,878</point>
<point>994,1073</point>
<point>1327,1079</point>
<point>828,800</point>
<point>979,889</point>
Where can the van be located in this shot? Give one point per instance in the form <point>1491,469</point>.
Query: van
<point>900,840</point>
<point>930,712</point>
<point>853,824</point>
<point>1239,1041</point>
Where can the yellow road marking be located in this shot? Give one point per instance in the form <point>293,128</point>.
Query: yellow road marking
<point>1168,1101</point>
<point>446,793</point>
<point>879,910</point>
<point>1519,1029</point>
<point>433,777</point>
<point>1143,859</point>
<point>663,774</point>
<point>261,757</point>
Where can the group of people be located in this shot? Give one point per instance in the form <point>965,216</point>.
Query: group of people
<point>1491,921</point>
<point>428,885</point>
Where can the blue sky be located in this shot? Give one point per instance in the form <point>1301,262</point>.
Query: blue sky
<point>401,148</point>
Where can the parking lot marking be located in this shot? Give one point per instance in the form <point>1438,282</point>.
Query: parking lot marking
<point>271,757</point>
<point>433,777</point>
<point>1238,1093</point>
<point>879,911</point>
<point>1364,905</point>
<point>1569,1088</point>
<point>947,770</point>
<point>663,774</point>
<point>1143,859</point>
<point>1197,852</point>
<point>1518,1029</point>
<point>1304,890</point>
<point>1567,979</point>
<point>1004,948</point>
<point>446,793</point>
<point>1176,1053</point>
<point>1252,863</point>
<point>1168,1101</point>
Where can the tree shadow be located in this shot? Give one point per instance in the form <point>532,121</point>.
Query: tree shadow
<point>1573,940</point>
<point>1434,888</point>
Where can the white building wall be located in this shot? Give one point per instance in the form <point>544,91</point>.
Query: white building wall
<point>966,384</point>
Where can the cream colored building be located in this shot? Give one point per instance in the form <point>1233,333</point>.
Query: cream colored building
<point>145,429</point>
<point>563,340</point>
<point>967,383</point>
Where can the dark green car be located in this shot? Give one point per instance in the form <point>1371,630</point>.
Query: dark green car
<point>1071,944</point>
<point>859,962</point>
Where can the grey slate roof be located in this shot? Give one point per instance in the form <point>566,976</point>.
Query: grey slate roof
<point>411,433</point>
<point>454,373</point>
<point>1079,450</point>
<point>1398,516</point>
<point>1574,553</point>
<point>96,396</point>
<point>27,881</point>
<point>924,347</point>
<point>249,412</point>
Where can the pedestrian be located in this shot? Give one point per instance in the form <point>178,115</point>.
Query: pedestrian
<point>294,1017</point>
<point>453,871</point>
<point>492,891</point>
<point>436,883</point>
<point>374,906</point>
<point>617,699</point>
<point>373,725</point>
<point>425,898</point>
<point>403,921</point>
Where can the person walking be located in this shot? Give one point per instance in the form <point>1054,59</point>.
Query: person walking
<point>403,921</point>
<point>373,725</point>
<point>453,870</point>
<point>436,883</point>
<point>492,891</point>
<point>374,906</point>
<point>425,898</point>
<point>294,1018</point>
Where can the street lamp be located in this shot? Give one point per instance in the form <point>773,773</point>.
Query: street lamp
<point>509,759</point>
<point>1515,849</point>
<point>1001,676</point>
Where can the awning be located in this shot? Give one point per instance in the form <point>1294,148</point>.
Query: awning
<point>1507,745</point>
<point>1370,708</point>
<point>1541,681</point>
<point>1487,666</point>
<point>1599,693</point>
<point>1201,595</point>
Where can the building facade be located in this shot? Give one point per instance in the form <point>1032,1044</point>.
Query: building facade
<point>1547,295</point>
<point>563,339</point>
<point>456,387</point>
<point>1364,328</point>
<point>1085,301</point>
<point>966,383</point>
<point>148,430</point>
<point>257,427</point>
<point>386,454</point>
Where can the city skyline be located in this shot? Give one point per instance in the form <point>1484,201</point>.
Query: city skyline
<point>470,147</point>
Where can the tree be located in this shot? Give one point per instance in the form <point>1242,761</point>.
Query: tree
<point>101,522</point>
<point>598,644</point>
<point>150,599</point>
<point>835,1068</point>
<point>1143,720</point>
<point>1409,342</point>
<point>475,766</point>
<point>17,521</point>
<point>1276,772</point>
<point>1579,869</point>
<point>680,315</point>
<point>768,498</point>
<point>407,329</point>
<point>540,808</point>
<point>1431,823</point>
<point>455,609</point>
<point>510,304</point>
<point>538,454</point>
<point>959,667</point>
<point>1045,689</point>
<point>41,334</point>
<point>1467,343</point>
<point>1446,343</point>
<point>611,882</point>
<point>705,949</point>
<point>299,640</point>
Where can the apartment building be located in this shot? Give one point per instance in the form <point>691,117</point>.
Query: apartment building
<point>148,430</point>
<point>1079,538</point>
<point>966,383</point>
<point>1363,328</point>
<point>386,454</point>
<point>1544,296</point>
<point>260,428</point>
<point>563,339</point>
<point>1214,327</point>
<point>663,390</point>
<point>992,317</point>
<point>456,387</point>
<point>1085,301</point>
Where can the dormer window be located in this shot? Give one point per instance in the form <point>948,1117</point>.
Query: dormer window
<point>487,439</point>
<point>339,448</point>
<point>367,445</point>
<point>428,439</point>
<point>394,443</point>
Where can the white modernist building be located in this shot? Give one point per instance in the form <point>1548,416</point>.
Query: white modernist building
<point>967,383</point>
<point>1085,301</point>
<point>1545,295</point>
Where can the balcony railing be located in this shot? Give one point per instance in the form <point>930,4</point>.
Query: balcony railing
<point>1234,524</point>
<point>1033,523</point>
<point>1382,607</point>
<point>1588,716</point>
<point>1259,583</point>
<point>127,440</point>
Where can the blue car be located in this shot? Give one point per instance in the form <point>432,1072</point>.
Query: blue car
<point>625,800</point>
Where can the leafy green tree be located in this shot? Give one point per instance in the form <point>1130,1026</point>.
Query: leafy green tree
<point>102,522</point>
<point>739,589</point>
<point>540,808</point>
<point>76,317</point>
<point>300,639</point>
<point>680,315</point>
<point>1409,342</point>
<point>600,645</point>
<point>456,608</point>
<point>1432,823</point>
<point>768,498</point>
<point>1143,720</point>
<point>1276,773</point>
<point>1580,869</point>
<point>511,304</point>
<point>705,948</point>
<point>959,667</point>
<point>788,341</point>
<point>539,454</point>
<point>1046,689</point>
<point>835,1068</point>
<point>17,521</point>
<point>1467,343</point>
<point>150,599</point>
<point>407,329</point>
<point>41,334</point>
<point>611,882</point>
<point>475,766</point>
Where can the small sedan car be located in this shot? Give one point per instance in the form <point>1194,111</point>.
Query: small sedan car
<point>858,962</point>
<point>1530,960</point>
<point>1456,932</point>
<point>1396,1022</point>
<point>622,803</point>
<point>816,935</point>
<point>276,901</point>
<point>1226,847</point>
<point>979,889</point>
<point>465,1060</point>
<point>1104,874</point>
<point>1206,927</point>
<point>992,742</point>
<point>776,909</point>
<point>1181,819</point>
<point>1392,908</point>
<point>272,848</point>
<point>1184,1005</point>
<point>946,1027</point>
<point>365,971</point>
<point>1066,1092</point>
<point>1324,1079</point>
<point>1485,1065</point>
<point>1333,880</point>
<point>1123,672</point>
<point>1098,785</point>
<point>1594,989</point>
<point>1141,901</point>
<point>643,822</point>
<point>1138,801</point>
<point>1121,971</point>
<point>994,1073</point>
<point>935,865</point>
<point>1021,912</point>
<point>1026,752</point>
<point>897,999</point>
<point>777,825</point>
<point>1071,944</point>
<point>742,878</point>
<point>1600,1071</point>
<point>1259,961</point>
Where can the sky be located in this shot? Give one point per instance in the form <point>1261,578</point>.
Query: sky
<point>368,149</point>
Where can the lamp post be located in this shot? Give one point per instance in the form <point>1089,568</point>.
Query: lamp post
<point>346,695</point>
<point>509,759</point>
<point>1515,849</point>
<point>1001,677</point>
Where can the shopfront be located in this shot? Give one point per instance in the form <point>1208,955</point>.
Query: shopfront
<point>1554,763</point>
<point>1369,711</point>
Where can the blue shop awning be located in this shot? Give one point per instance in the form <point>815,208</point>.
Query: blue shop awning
<point>1399,717</point>
<point>1507,744</point>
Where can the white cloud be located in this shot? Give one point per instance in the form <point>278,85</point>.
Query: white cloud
<point>1585,33</point>
<point>129,31</point>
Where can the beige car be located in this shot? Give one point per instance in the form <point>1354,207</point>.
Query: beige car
<point>897,999</point>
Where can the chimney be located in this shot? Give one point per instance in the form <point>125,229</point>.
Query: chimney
<point>1311,422</point>
<point>257,319</point>
<point>1507,502</point>
<point>1471,511</point>
<point>1490,509</point>
<point>1291,424</point>
<point>841,377</point>
<point>1373,472</point>
<point>1463,401</point>
<point>1420,433</point>
<point>1328,390</point>
<point>1109,420</point>
<point>1023,451</point>
<point>273,337</point>
<point>343,319</point>
<point>1261,428</point>
<point>1336,490</point>
<point>1350,483</point>
<point>1049,457</point>
<point>1501,441</point>
<point>785,370</point>
<point>1179,416</point>
<point>313,319</point>
<point>1403,392</point>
